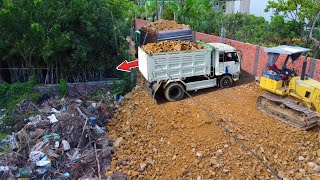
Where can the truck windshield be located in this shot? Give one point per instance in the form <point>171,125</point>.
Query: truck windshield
<point>228,56</point>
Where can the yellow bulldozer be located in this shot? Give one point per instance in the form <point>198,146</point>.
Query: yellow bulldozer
<point>292,99</point>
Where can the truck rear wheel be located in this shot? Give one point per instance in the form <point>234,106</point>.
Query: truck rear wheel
<point>174,92</point>
<point>226,82</point>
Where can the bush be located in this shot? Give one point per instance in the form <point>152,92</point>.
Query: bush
<point>13,94</point>
<point>63,87</point>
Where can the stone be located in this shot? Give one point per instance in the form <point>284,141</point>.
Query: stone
<point>318,152</point>
<point>281,174</point>
<point>108,173</point>
<point>118,142</point>
<point>302,171</point>
<point>301,158</point>
<point>174,157</point>
<point>134,173</point>
<point>198,178</point>
<point>143,166</point>
<point>200,155</point>
<point>219,152</point>
<point>297,175</point>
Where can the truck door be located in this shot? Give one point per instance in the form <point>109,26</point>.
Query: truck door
<point>231,62</point>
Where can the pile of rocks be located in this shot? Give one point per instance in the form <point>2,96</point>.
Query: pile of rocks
<point>171,46</point>
<point>164,25</point>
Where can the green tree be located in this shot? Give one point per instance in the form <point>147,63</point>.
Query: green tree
<point>76,39</point>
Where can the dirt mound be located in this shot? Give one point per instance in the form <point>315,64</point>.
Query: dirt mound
<point>171,46</point>
<point>178,140</point>
<point>164,25</point>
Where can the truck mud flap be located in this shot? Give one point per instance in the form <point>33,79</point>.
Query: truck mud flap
<point>152,89</point>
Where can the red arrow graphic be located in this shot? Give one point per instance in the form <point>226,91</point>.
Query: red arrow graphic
<point>126,66</point>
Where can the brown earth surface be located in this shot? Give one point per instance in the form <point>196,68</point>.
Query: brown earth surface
<point>164,25</point>
<point>171,46</point>
<point>178,140</point>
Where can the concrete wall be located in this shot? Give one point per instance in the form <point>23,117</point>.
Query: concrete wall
<point>249,62</point>
<point>78,89</point>
<point>245,6</point>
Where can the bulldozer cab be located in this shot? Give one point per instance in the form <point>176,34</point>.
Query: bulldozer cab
<point>274,78</point>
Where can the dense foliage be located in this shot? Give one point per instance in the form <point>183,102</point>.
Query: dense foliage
<point>77,40</point>
<point>290,24</point>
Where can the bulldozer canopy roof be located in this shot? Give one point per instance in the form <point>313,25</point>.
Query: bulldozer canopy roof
<point>289,50</point>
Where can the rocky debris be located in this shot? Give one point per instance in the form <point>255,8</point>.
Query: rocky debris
<point>164,25</point>
<point>171,46</point>
<point>62,138</point>
<point>170,150</point>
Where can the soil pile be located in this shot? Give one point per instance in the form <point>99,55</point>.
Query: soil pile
<point>171,46</point>
<point>164,25</point>
<point>178,140</point>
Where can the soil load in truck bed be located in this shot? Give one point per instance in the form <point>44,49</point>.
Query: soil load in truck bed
<point>164,30</point>
<point>171,46</point>
<point>164,25</point>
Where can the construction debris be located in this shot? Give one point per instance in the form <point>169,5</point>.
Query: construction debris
<point>59,141</point>
<point>164,25</point>
<point>171,46</point>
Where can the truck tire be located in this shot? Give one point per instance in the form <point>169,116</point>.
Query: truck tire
<point>226,82</point>
<point>174,92</point>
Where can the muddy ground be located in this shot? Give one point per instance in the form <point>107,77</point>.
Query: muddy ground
<point>178,140</point>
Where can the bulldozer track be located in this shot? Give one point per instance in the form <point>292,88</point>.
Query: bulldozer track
<point>288,111</point>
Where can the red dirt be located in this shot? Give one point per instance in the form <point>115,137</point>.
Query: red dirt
<point>178,140</point>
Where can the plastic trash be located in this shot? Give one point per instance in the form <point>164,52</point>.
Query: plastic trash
<point>12,141</point>
<point>55,136</point>
<point>54,110</point>
<point>35,156</point>
<point>52,118</point>
<point>98,129</point>
<point>66,174</point>
<point>92,121</point>
<point>56,144</point>
<point>65,144</point>
<point>43,162</point>
<point>41,171</point>
<point>24,172</point>
<point>4,168</point>
<point>121,98</point>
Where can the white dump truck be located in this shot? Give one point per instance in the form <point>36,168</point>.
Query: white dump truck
<point>176,72</point>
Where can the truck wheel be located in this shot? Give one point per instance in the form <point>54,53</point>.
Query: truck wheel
<point>226,82</point>
<point>174,92</point>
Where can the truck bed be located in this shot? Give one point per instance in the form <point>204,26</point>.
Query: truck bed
<point>164,66</point>
<point>179,34</point>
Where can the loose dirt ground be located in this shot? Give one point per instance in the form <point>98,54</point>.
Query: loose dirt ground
<point>178,140</point>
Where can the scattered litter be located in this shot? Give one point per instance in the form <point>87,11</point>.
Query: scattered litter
<point>66,145</point>
<point>4,168</point>
<point>54,110</point>
<point>55,136</point>
<point>35,156</point>
<point>52,118</point>
<point>59,147</point>
<point>92,121</point>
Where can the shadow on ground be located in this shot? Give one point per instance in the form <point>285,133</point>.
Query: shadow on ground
<point>246,79</point>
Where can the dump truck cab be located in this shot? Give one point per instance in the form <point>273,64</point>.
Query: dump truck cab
<point>225,60</point>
